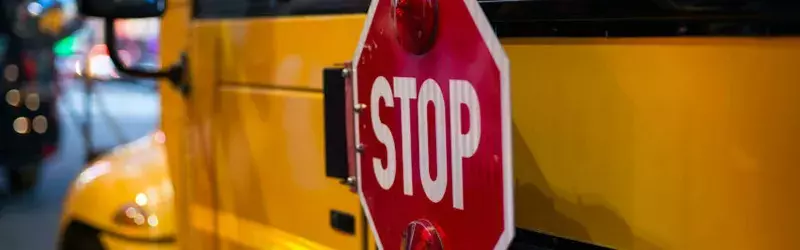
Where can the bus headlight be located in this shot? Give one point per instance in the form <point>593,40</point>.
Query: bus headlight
<point>134,215</point>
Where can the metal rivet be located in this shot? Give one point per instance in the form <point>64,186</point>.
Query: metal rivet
<point>360,148</point>
<point>359,107</point>
<point>345,72</point>
<point>350,181</point>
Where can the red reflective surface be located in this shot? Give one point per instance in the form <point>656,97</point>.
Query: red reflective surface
<point>421,235</point>
<point>415,21</point>
<point>349,105</point>
<point>459,52</point>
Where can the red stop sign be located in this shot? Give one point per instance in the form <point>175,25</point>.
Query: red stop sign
<point>432,81</point>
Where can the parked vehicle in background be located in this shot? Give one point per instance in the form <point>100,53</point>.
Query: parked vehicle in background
<point>29,124</point>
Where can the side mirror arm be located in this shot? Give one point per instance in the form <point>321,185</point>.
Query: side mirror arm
<point>175,72</point>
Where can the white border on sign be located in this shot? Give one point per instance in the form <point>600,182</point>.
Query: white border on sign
<point>367,24</point>
<point>502,62</point>
<point>501,59</point>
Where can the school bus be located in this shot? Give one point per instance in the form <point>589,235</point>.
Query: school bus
<point>662,124</point>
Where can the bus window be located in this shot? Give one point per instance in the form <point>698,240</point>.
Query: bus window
<point>629,18</point>
<point>254,8</point>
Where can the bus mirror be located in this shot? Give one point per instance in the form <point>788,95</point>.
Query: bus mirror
<point>175,73</point>
<point>122,8</point>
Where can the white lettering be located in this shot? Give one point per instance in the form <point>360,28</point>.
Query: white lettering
<point>405,88</point>
<point>381,90</point>
<point>430,92</point>
<point>463,145</point>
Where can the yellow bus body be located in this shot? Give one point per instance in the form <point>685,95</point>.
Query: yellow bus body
<point>630,143</point>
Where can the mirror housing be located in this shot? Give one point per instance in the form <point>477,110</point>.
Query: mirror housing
<point>122,8</point>
<point>111,10</point>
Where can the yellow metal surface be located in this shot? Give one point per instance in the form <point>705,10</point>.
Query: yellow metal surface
<point>175,123</point>
<point>658,143</point>
<point>683,143</point>
<point>248,142</point>
<point>285,52</point>
<point>133,174</point>
<point>271,165</point>
<point>238,232</point>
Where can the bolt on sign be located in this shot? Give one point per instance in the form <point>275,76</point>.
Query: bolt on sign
<point>434,163</point>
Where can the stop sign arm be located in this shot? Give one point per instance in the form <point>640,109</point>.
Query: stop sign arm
<point>436,126</point>
<point>338,119</point>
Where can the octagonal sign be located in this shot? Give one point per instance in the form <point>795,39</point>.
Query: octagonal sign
<point>434,165</point>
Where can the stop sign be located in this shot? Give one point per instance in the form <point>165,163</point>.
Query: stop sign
<point>433,126</point>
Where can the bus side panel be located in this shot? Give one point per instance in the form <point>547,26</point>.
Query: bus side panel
<point>269,185</point>
<point>270,167</point>
<point>684,143</point>
<point>189,170</point>
<point>288,52</point>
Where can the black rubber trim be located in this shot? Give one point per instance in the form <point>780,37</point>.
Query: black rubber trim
<point>156,240</point>
<point>531,240</point>
<point>213,9</point>
<point>335,113</point>
<point>648,28</point>
<point>570,18</point>
<point>343,222</point>
<point>643,18</point>
<point>85,227</point>
<point>80,236</point>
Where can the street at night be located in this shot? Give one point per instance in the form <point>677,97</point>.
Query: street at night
<point>121,112</point>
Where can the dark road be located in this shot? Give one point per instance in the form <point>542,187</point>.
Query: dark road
<point>120,113</point>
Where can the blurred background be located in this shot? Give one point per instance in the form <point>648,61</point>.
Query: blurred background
<point>63,103</point>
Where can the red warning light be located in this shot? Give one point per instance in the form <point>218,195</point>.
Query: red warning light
<point>415,21</point>
<point>421,235</point>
